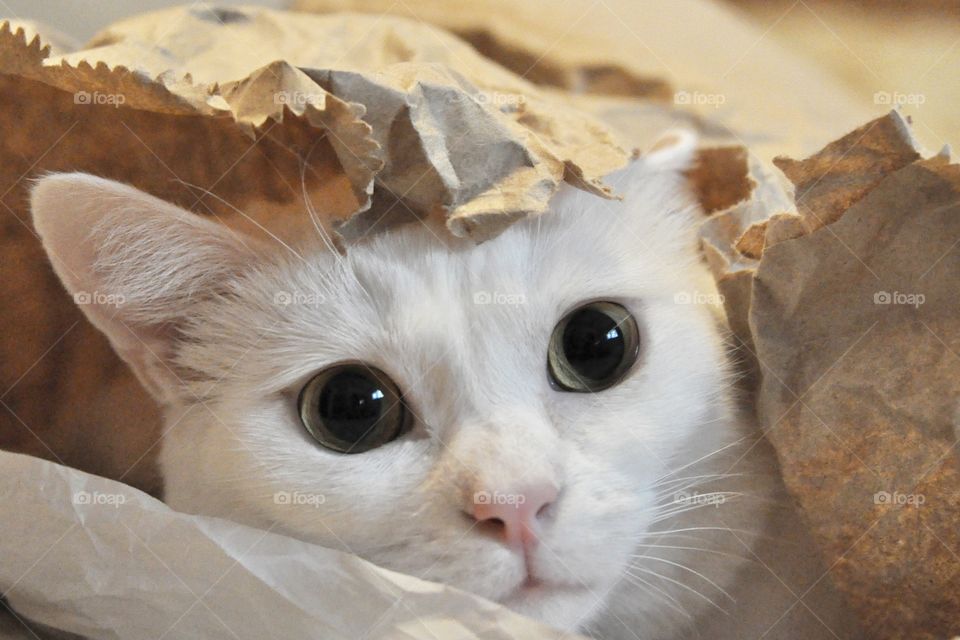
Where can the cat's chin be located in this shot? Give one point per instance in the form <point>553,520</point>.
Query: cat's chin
<point>564,607</point>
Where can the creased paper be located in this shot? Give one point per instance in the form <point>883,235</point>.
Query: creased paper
<point>441,129</point>
<point>100,559</point>
<point>855,319</point>
<point>698,57</point>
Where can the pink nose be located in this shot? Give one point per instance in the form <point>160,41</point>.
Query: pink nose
<point>514,514</point>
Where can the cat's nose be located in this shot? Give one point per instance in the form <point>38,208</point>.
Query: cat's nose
<point>514,515</point>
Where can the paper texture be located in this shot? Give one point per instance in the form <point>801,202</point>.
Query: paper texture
<point>845,301</point>
<point>698,57</point>
<point>856,322</point>
<point>442,129</point>
<point>97,558</point>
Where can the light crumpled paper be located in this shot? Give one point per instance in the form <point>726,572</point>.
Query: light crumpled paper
<point>113,562</point>
<point>443,130</point>
<point>697,57</point>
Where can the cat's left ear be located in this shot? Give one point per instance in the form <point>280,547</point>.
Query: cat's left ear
<point>135,265</point>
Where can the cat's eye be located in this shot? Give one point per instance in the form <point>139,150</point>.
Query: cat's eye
<point>352,408</point>
<point>592,347</point>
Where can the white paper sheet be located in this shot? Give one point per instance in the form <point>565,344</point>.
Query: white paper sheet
<point>98,558</point>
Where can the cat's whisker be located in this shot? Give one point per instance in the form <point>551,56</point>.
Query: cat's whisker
<point>669,487</point>
<point>726,554</point>
<point>651,588</point>
<point>696,477</point>
<point>240,212</point>
<point>711,499</point>
<point>681,585</point>
<point>689,495</point>
<point>706,456</point>
<point>662,532</point>
<point>686,534</point>
<point>684,567</point>
<point>312,212</point>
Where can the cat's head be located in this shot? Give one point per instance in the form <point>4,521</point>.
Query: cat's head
<point>499,417</point>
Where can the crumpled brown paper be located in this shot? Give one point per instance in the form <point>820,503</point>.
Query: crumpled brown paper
<point>441,129</point>
<point>112,562</point>
<point>850,310</point>
<point>697,57</point>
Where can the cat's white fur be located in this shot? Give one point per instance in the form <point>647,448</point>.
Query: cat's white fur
<point>225,330</point>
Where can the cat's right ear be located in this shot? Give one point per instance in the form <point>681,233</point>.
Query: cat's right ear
<point>135,265</point>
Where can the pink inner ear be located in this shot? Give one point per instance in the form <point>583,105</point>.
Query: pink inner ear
<point>64,224</point>
<point>674,150</point>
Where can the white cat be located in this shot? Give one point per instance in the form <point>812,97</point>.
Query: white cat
<point>545,419</point>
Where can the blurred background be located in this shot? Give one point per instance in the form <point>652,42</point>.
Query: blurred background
<point>905,51</point>
<point>908,48</point>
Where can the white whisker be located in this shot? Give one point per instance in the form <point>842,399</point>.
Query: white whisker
<point>725,554</point>
<point>686,568</point>
<point>670,601</point>
<point>682,586</point>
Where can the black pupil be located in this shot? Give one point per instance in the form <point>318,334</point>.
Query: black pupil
<point>350,404</point>
<point>593,344</point>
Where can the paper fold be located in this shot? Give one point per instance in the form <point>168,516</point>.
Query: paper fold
<point>439,129</point>
<point>100,559</point>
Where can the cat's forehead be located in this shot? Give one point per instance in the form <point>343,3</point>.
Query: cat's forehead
<point>410,280</point>
<point>408,299</point>
<point>584,243</point>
